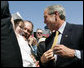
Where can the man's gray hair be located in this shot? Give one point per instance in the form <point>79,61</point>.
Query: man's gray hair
<point>39,29</point>
<point>59,8</point>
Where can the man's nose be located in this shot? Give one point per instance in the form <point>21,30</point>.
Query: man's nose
<point>45,21</point>
<point>25,31</point>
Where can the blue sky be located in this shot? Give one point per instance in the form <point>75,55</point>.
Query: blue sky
<point>33,11</point>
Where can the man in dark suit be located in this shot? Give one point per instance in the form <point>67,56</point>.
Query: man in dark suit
<point>10,51</point>
<point>68,51</point>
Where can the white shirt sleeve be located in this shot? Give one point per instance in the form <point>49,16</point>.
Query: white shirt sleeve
<point>78,54</point>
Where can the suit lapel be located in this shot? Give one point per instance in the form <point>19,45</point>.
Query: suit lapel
<point>49,41</point>
<point>66,37</point>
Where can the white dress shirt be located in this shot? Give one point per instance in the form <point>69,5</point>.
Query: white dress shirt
<point>26,52</point>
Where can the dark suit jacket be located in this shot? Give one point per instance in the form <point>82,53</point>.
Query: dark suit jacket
<point>10,51</point>
<point>74,40</point>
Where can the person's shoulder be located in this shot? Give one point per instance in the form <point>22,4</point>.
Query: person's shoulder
<point>4,4</point>
<point>41,39</point>
<point>50,38</point>
<point>76,26</point>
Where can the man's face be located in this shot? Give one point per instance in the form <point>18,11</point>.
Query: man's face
<point>27,30</point>
<point>39,33</point>
<point>49,20</point>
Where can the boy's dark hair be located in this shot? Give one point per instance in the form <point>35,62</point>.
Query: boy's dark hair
<point>17,21</point>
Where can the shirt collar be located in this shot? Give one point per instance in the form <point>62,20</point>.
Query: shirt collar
<point>61,29</point>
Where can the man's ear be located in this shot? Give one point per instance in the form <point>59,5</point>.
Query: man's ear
<point>56,15</point>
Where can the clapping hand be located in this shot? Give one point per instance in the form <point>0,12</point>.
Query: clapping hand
<point>32,40</point>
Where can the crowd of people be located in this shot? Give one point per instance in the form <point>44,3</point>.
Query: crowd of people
<point>20,49</point>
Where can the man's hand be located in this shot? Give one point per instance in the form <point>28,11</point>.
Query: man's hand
<point>47,56</point>
<point>32,40</point>
<point>63,51</point>
<point>37,64</point>
<point>35,61</point>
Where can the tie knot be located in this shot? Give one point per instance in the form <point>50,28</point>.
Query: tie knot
<point>57,32</point>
